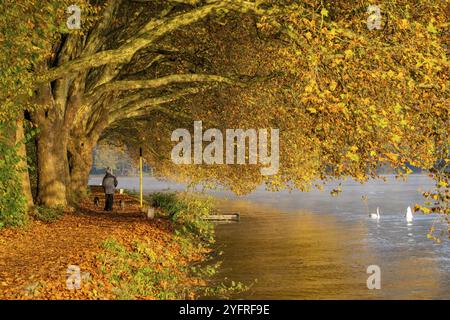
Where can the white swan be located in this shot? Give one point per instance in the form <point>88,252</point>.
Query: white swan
<point>409,215</point>
<point>375,215</point>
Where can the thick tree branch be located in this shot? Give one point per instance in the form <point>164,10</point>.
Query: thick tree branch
<point>135,107</point>
<point>142,105</point>
<point>152,31</point>
<point>97,37</point>
<point>87,113</point>
<point>157,83</point>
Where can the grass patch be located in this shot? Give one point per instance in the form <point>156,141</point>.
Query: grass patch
<point>48,214</point>
<point>147,270</point>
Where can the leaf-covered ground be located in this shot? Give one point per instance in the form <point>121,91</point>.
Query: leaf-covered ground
<point>34,260</point>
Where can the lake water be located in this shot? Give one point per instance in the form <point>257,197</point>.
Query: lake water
<point>315,246</point>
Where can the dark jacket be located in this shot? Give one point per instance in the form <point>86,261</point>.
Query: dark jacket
<point>109,183</point>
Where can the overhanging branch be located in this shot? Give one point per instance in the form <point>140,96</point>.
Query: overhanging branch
<point>145,105</point>
<point>152,31</point>
<point>158,83</point>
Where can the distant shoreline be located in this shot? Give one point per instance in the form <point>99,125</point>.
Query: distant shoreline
<point>148,176</point>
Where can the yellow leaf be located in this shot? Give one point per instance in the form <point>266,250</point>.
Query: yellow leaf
<point>348,53</point>
<point>396,138</point>
<point>352,156</point>
<point>404,24</point>
<point>333,85</point>
<point>392,156</point>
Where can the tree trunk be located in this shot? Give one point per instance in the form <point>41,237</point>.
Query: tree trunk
<point>25,178</point>
<point>52,161</point>
<point>51,150</point>
<point>80,163</point>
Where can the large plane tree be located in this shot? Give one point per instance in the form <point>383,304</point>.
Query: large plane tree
<point>345,97</point>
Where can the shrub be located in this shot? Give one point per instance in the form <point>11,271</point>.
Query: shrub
<point>188,211</point>
<point>12,202</point>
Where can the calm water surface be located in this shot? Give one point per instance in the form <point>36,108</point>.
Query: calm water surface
<point>315,246</point>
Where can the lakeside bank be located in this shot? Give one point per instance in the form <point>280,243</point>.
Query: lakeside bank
<point>119,255</point>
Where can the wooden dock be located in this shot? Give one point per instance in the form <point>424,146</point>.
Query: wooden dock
<point>224,217</point>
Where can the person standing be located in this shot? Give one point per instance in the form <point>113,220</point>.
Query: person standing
<point>109,184</point>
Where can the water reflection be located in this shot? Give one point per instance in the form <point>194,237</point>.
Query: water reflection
<point>314,246</point>
<point>310,256</point>
<point>325,254</point>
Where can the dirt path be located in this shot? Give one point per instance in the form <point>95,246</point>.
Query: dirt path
<point>34,260</point>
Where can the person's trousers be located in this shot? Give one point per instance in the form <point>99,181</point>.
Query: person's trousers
<point>109,199</point>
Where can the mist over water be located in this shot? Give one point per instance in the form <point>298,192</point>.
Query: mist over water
<point>315,246</point>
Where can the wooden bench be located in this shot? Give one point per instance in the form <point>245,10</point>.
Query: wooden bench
<point>96,189</point>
